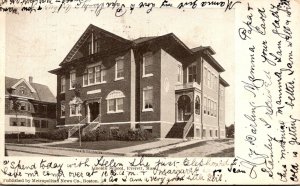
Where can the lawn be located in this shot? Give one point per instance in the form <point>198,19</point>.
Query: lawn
<point>200,149</point>
<point>224,153</point>
<point>27,140</point>
<point>102,145</point>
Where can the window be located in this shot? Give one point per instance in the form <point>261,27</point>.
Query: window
<point>72,79</point>
<point>36,108</point>
<point>75,111</point>
<point>148,99</point>
<point>203,133</point>
<point>216,109</point>
<point>97,46</point>
<point>149,129</point>
<point>205,105</point>
<point>44,124</point>
<point>43,108</point>
<point>192,73</point>
<point>216,83</point>
<point>208,79</point>
<point>197,105</point>
<point>179,74</point>
<point>119,74</point>
<point>62,84</point>
<point>28,107</point>
<point>23,90</point>
<point>115,102</point>
<point>62,109</point>
<point>216,133</point>
<point>94,75</point>
<point>23,106</point>
<point>212,108</point>
<point>205,76</point>
<point>22,123</point>
<point>15,123</point>
<point>147,64</point>
<point>210,133</point>
<point>36,123</point>
<point>208,106</point>
<point>91,75</point>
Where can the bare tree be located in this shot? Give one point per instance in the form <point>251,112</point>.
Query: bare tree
<point>77,104</point>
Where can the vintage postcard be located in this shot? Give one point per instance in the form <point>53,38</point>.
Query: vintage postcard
<point>149,92</point>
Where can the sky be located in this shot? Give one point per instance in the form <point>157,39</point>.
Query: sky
<point>38,42</point>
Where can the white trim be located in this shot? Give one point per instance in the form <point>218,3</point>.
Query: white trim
<point>93,91</point>
<point>125,122</point>
<point>187,70</point>
<point>147,110</point>
<point>62,77</point>
<point>94,64</point>
<point>116,68</point>
<point>147,75</point>
<point>22,97</point>
<point>72,72</point>
<point>146,89</point>
<point>23,80</point>
<point>144,57</point>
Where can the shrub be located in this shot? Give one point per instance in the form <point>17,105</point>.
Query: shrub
<point>58,134</point>
<point>95,135</point>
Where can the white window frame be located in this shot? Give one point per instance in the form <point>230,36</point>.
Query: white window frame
<point>86,72</point>
<point>71,73</point>
<point>193,64</point>
<point>77,112</point>
<point>147,109</point>
<point>205,75</point>
<point>62,82</point>
<point>148,54</point>
<point>62,103</point>
<point>116,68</point>
<point>116,110</point>
<point>115,95</point>
<point>25,105</point>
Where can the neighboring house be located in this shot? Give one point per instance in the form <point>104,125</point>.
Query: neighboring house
<point>153,83</point>
<point>37,111</point>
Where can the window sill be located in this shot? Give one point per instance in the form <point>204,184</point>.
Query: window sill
<point>63,117</point>
<point>62,92</point>
<point>75,115</point>
<point>117,79</point>
<point>115,112</point>
<point>103,82</point>
<point>147,75</point>
<point>147,110</point>
<point>71,88</point>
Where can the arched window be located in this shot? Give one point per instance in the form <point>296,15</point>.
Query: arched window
<point>197,105</point>
<point>115,100</point>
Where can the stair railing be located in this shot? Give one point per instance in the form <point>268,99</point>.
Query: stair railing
<point>188,126</point>
<point>75,128</point>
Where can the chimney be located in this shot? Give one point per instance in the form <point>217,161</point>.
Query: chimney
<point>30,79</point>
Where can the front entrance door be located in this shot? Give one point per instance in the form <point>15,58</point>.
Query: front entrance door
<point>93,111</point>
<point>184,108</point>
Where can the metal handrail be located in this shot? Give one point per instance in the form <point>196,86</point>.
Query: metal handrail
<point>188,126</point>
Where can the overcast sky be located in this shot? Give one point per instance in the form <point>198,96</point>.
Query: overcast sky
<point>38,42</point>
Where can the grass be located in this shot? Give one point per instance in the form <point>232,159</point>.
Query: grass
<point>224,153</point>
<point>27,140</point>
<point>175,150</point>
<point>102,145</point>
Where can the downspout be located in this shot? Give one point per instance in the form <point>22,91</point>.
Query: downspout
<point>219,108</point>
<point>201,125</point>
